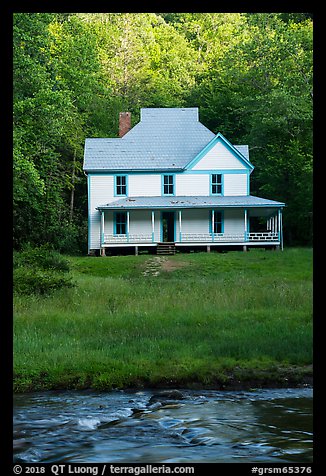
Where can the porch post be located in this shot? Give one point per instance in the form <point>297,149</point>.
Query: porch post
<point>102,233</point>
<point>280,231</point>
<point>153,226</point>
<point>213,215</point>
<point>245,224</point>
<point>180,225</point>
<point>128,222</point>
<point>102,227</point>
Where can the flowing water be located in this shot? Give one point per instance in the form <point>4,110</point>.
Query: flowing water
<point>273,425</point>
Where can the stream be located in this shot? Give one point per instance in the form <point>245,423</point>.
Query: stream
<point>265,426</point>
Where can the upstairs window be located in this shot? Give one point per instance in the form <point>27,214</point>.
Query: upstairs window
<point>216,184</point>
<point>121,185</point>
<point>120,223</point>
<point>168,184</point>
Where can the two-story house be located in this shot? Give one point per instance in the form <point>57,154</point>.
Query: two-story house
<point>170,180</point>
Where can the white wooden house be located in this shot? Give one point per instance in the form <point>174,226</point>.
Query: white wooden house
<point>171,180</point>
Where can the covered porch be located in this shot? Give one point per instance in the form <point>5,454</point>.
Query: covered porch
<point>191,222</point>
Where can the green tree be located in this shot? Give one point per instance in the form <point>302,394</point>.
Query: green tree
<point>259,91</point>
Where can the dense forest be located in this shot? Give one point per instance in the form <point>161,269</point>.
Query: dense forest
<point>250,74</point>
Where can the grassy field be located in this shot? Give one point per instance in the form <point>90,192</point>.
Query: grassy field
<point>211,319</point>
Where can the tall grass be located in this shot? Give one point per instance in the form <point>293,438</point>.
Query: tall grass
<point>216,314</point>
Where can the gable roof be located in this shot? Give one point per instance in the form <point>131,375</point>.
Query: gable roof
<point>240,152</point>
<point>164,139</point>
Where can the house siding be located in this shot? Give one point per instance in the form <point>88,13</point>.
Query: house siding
<point>190,185</point>
<point>235,184</point>
<point>108,222</point>
<point>144,185</point>
<point>199,184</point>
<point>233,222</point>
<point>219,157</point>
<point>194,221</point>
<point>101,191</point>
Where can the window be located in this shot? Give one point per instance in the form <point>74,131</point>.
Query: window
<point>216,223</point>
<point>168,185</point>
<point>120,223</point>
<point>121,185</point>
<point>216,184</point>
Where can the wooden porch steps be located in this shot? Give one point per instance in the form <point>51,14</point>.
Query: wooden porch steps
<point>165,249</point>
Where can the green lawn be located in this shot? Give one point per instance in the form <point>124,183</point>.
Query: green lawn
<point>206,318</point>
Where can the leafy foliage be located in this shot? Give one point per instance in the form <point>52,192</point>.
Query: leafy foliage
<point>40,270</point>
<point>42,257</point>
<point>250,75</point>
<point>31,280</point>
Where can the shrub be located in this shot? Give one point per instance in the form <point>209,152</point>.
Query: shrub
<point>29,280</point>
<point>40,270</point>
<point>42,257</point>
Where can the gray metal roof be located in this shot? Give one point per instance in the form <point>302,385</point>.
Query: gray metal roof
<point>164,139</point>
<point>244,150</point>
<point>190,202</point>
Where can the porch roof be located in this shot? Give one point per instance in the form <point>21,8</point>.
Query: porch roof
<point>176,202</point>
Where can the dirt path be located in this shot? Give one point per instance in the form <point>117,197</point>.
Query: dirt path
<point>154,266</point>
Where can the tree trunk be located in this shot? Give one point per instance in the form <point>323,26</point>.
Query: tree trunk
<point>72,194</point>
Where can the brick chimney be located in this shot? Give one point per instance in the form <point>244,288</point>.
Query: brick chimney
<point>124,123</point>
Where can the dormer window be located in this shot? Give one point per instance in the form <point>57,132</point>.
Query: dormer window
<point>216,184</point>
<point>168,184</point>
<point>121,185</point>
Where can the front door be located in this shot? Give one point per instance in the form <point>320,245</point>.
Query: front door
<point>167,227</point>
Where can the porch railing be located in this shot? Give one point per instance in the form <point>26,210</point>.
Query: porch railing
<point>263,236</point>
<point>196,237</point>
<point>131,238</point>
<point>232,238</point>
<point>208,237</point>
